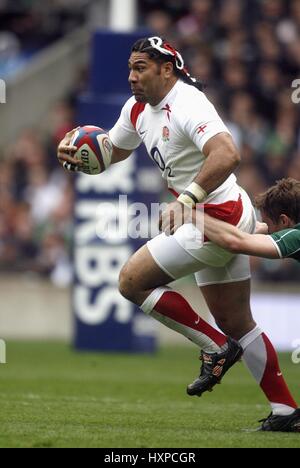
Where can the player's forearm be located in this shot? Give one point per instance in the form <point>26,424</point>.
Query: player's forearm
<point>119,155</point>
<point>222,158</point>
<point>223,234</point>
<point>231,238</point>
<point>217,168</point>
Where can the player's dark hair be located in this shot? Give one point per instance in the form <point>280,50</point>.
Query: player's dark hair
<point>282,198</point>
<point>145,46</point>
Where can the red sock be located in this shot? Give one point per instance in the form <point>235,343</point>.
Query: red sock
<point>273,383</point>
<point>176,308</point>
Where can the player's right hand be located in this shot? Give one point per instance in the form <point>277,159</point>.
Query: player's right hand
<point>261,228</point>
<point>65,153</point>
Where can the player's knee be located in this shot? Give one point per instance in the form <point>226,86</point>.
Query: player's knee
<point>127,285</point>
<point>224,325</point>
<point>235,329</point>
<point>229,327</point>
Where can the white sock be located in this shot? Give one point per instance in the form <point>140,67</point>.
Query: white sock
<point>261,359</point>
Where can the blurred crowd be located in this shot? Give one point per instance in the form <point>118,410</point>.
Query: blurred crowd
<point>36,196</point>
<point>27,26</point>
<point>246,52</point>
<point>36,202</point>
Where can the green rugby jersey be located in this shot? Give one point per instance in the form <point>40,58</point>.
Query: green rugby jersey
<point>288,242</point>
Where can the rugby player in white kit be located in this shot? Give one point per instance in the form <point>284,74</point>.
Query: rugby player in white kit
<point>192,147</point>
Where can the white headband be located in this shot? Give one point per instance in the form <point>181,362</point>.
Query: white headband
<point>158,44</point>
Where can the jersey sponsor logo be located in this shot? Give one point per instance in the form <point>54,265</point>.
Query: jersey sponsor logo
<point>159,161</point>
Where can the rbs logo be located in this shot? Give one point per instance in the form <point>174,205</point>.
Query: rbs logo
<point>98,264</point>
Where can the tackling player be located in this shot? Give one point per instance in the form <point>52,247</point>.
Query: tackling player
<point>195,153</point>
<point>280,210</point>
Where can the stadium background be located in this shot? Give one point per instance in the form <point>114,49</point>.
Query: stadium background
<point>247,52</point>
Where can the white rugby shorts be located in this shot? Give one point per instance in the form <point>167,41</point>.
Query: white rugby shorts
<point>210,263</point>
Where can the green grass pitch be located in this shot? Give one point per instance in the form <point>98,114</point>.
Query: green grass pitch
<point>52,396</point>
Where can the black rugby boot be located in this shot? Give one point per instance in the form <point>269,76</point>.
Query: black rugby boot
<point>214,367</point>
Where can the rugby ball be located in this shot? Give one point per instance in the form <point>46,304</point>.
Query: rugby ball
<point>94,149</point>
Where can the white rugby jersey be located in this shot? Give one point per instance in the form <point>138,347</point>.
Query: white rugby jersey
<point>174,133</point>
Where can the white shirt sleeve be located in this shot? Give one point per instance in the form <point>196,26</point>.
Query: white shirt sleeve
<point>201,121</point>
<point>123,135</point>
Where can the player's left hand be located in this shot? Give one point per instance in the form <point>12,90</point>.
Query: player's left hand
<point>173,217</point>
